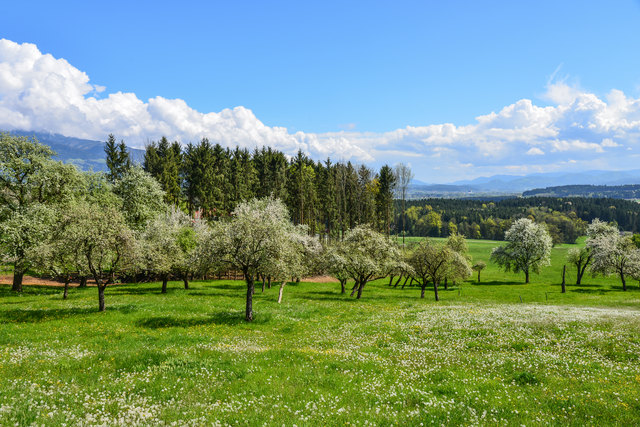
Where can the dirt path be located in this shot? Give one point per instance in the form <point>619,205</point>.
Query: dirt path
<point>320,279</point>
<point>7,279</point>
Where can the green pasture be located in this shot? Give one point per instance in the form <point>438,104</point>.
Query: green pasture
<point>479,356</point>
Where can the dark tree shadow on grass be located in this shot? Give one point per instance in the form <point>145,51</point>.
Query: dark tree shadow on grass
<point>494,283</point>
<point>239,285</point>
<point>29,290</point>
<point>601,289</point>
<point>217,294</point>
<point>146,290</point>
<point>590,291</point>
<point>44,315</point>
<point>219,318</point>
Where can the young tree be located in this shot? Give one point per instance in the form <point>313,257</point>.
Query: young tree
<point>104,240</point>
<point>159,246</point>
<point>299,259</point>
<point>168,246</point>
<point>615,254</point>
<point>528,248</point>
<point>204,258</point>
<point>403,175</point>
<point>187,239</point>
<point>458,270</point>
<point>335,265</point>
<point>479,266</point>
<point>581,258</point>
<point>255,238</point>
<point>366,254</point>
<point>432,262</point>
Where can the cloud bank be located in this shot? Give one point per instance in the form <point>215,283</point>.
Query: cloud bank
<point>577,130</point>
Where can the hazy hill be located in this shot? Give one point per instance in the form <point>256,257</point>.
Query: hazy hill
<point>513,183</point>
<point>611,191</point>
<point>84,153</point>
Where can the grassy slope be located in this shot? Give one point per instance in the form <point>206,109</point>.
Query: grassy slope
<point>478,356</point>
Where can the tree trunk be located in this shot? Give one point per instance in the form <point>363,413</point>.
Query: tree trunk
<point>403,214</point>
<point>83,282</point>
<point>248,314</point>
<point>579,273</point>
<point>478,276</point>
<point>101,289</point>
<point>526,276</point>
<point>564,271</point>
<point>355,287</point>
<point>165,279</point>
<point>342,285</point>
<point>281,290</point>
<point>446,284</point>
<point>391,280</point>
<point>185,279</point>
<point>411,282</point>
<point>18,274</point>
<point>66,287</point>
<point>269,282</point>
<point>264,282</point>
<point>398,281</point>
<point>360,288</point>
<point>424,285</point>
<point>624,282</point>
<point>435,290</point>
<point>405,282</point>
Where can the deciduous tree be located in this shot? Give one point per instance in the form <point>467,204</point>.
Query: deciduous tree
<point>104,239</point>
<point>366,254</point>
<point>614,253</point>
<point>528,248</point>
<point>255,238</point>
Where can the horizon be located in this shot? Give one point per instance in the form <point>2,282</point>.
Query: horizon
<point>534,103</point>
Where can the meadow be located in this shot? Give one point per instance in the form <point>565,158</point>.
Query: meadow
<point>489,353</point>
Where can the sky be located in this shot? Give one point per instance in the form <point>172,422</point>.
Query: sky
<point>454,89</point>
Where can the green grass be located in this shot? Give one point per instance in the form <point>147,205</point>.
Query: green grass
<point>479,356</point>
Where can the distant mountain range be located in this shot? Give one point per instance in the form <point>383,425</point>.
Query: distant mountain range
<point>88,154</point>
<point>84,153</point>
<point>517,184</point>
<point>612,191</point>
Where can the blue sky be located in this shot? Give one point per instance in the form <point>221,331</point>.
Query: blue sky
<point>365,68</point>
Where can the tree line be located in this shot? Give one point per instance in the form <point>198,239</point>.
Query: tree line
<point>329,198</point>
<point>566,219</point>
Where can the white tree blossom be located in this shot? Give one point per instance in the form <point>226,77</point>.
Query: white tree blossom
<point>528,248</point>
<point>614,253</point>
<point>366,254</point>
<point>257,237</point>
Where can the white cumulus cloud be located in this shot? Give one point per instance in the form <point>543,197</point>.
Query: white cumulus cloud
<point>41,93</point>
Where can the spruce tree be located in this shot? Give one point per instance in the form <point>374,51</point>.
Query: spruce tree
<point>384,198</point>
<point>117,158</point>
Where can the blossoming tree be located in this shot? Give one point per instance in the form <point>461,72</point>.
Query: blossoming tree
<point>528,248</point>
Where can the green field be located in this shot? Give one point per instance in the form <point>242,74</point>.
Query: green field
<point>479,356</point>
